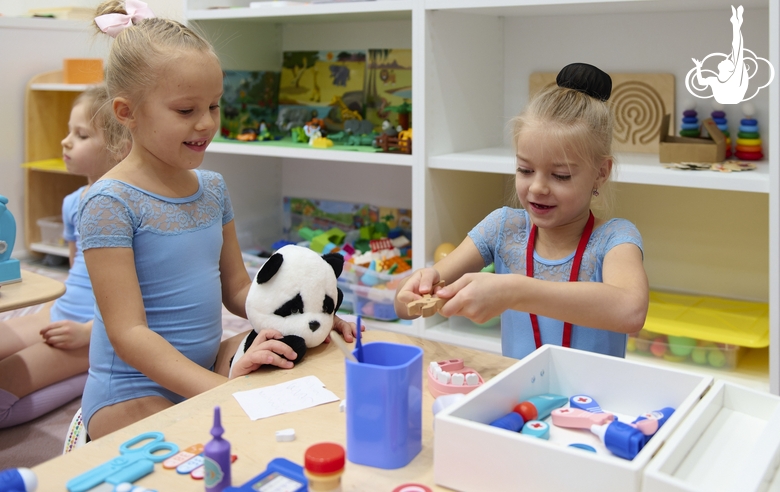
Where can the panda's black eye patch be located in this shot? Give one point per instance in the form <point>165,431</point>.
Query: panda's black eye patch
<point>328,306</point>
<point>293,306</point>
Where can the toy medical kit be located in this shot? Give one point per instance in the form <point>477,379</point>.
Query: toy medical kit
<point>133,463</point>
<point>512,422</point>
<point>216,458</point>
<point>182,456</point>
<point>323,466</point>
<point>451,376</point>
<point>280,475</point>
<point>536,428</point>
<point>579,419</point>
<point>585,402</point>
<point>384,414</point>
<point>189,465</point>
<point>285,435</point>
<point>620,438</point>
<point>10,271</point>
<point>199,473</point>
<point>649,423</point>
<point>18,480</point>
<point>539,407</point>
<point>586,447</point>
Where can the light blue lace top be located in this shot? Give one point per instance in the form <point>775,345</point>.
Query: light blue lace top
<point>502,237</point>
<point>78,302</point>
<point>177,243</point>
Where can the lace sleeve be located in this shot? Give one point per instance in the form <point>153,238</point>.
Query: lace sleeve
<point>622,231</point>
<point>485,234</point>
<point>227,206</point>
<point>105,221</point>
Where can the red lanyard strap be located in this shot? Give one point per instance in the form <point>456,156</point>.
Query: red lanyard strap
<point>573,276</point>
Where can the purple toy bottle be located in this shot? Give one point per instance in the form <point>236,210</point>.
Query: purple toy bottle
<point>216,458</point>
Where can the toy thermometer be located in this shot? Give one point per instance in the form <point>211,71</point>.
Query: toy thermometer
<point>576,418</point>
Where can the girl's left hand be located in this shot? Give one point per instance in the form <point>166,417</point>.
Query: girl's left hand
<point>476,296</point>
<point>67,334</point>
<point>347,330</point>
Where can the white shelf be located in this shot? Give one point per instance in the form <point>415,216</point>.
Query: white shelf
<point>50,250</point>
<point>386,158</point>
<point>631,168</point>
<point>347,11</point>
<point>505,8</point>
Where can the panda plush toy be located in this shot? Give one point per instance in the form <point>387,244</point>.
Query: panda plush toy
<point>294,292</point>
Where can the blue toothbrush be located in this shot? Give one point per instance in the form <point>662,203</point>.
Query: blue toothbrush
<point>358,343</point>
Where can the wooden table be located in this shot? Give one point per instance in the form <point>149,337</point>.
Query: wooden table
<point>33,289</point>
<point>254,442</point>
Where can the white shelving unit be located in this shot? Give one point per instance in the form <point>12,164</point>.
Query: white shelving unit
<point>471,63</point>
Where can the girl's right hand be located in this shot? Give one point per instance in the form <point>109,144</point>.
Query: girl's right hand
<point>418,284</point>
<point>265,350</point>
<point>67,334</point>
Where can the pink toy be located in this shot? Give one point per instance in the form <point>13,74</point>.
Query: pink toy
<point>579,419</point>
<point>450,376</point>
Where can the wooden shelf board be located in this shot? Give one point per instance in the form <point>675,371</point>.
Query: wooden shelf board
<point>307,153</point>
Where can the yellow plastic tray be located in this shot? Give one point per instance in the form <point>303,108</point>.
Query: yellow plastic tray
<point>713,319</point>
<point>57,165</point>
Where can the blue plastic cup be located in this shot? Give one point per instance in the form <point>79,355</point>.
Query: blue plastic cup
<point>384,405</point>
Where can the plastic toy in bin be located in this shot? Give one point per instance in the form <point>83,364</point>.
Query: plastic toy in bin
<point>451,376</point>
<point>684,349</point>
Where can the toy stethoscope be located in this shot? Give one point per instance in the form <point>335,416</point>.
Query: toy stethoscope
<point>131,465</point>
<point>575,272</point>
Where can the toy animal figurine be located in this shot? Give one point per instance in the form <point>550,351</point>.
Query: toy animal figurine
<point>346,113</point>
<point>294,292</point>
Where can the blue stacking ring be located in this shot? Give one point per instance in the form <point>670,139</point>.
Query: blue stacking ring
<point>690,119</point>
<point>720,121</point>
<point>748,121</point>
<point>689,126</point>
<point>723,128</point>
<point>748,128</point>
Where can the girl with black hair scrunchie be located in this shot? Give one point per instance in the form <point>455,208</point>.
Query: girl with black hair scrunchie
<point>565,277</point>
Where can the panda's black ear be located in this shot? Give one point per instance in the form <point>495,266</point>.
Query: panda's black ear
<point>336,261</point>
<point>269,268</point>
<point>341,298</point>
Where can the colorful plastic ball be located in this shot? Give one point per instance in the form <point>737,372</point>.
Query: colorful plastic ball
<point>442,250</point>
<point>658,347</point>
<point>631,344</point>
<point>682,346</point>
<point>643,339</point>
<point>674,358</point>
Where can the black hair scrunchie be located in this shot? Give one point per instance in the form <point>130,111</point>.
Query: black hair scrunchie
<point>587,79</point>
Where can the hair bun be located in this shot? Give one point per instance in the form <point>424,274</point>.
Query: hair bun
<point>585,78</point>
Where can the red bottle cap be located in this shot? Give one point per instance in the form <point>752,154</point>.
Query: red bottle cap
<point>527,410</point>
<point>325,457</point>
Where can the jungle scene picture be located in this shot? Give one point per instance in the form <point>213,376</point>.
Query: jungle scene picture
<point>249,102</point>
<point>321,84</point>
<point>389,86</point>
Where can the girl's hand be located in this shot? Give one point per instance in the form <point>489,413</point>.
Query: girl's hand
<point>67,335</point>
<point>265,350</point>
<point>476,296</point>
<point>347,330</point>
<point>419,283</point>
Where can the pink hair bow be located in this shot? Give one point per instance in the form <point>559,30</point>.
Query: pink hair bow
<point>113,24</point>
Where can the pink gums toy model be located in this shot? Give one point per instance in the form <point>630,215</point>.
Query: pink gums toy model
<point>450,376</point>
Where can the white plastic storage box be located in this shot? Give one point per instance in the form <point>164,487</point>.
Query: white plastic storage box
<point>729,442</point>
<point>51,230</point>
<point>369,293</point>
<point>470,455</point>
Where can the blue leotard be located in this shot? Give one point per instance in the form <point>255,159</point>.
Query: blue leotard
<point>502,237</point>
<point>177,243</point>
<point>78,302</point>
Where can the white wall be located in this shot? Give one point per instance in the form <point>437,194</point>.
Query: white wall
<point>14,8</point>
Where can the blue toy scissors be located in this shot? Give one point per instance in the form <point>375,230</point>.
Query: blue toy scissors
<point>131,464</point>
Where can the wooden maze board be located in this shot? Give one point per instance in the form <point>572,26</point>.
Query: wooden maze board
<point>640,101</point>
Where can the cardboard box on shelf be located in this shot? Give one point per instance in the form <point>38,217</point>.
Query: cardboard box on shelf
<point>686,149</point>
